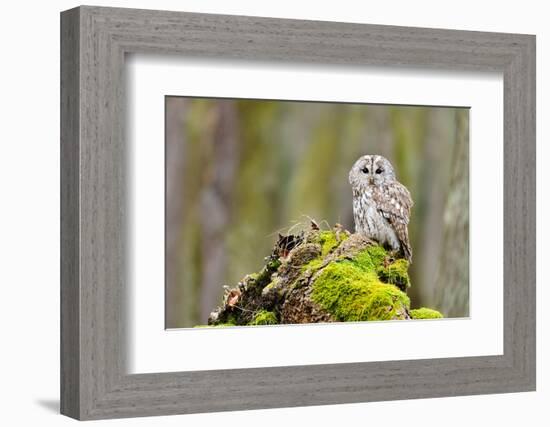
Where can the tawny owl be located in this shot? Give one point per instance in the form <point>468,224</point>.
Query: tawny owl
<point>381,204</point>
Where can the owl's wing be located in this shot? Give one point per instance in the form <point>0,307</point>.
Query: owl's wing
<point>394,203</point>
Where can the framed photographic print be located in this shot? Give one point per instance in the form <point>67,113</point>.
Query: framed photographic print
<point>261,213</point>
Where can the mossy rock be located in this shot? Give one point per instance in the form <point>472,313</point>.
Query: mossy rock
<point>264,317</point>
<point>352,292</point>
<point>322,276</point>
<point>425,313</point>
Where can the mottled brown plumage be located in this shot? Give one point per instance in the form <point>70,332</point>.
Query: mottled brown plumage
<point>381,204</point>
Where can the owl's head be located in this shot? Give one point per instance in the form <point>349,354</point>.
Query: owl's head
<point>371,170</point>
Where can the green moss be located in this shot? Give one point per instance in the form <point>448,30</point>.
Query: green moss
<point>228,320</point>
<point>218,325</point>
<point>263,278</point>
<point>273,264</point>
<point>351,291</point>
<point>313,265</point>
<point>395,273</point>
<point>329,241</point>
<point>425,313</point>
<point>273,288</point>
<point>370,258</point>
<point>270,286</point>
<point>264,317</point>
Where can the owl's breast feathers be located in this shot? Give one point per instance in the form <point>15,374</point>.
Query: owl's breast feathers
<point>393,202</point>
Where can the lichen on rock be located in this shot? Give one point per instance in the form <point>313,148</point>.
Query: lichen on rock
<point>322,276</point>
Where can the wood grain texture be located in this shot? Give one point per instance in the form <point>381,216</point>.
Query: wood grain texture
<point>70,221</point>
<point>95,277</point>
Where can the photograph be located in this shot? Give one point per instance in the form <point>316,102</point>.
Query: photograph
<point>292,212</point>
<point>276,215</point>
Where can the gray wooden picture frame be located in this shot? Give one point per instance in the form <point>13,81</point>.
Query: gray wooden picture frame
<point>94,381</point>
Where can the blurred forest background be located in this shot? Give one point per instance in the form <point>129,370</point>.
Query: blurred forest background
<point>239,171</point>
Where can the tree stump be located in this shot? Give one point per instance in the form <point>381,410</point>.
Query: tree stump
<point>321,276</point>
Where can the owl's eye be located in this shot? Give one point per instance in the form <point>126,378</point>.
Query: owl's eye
<point>379,171</point>
<point>365,170</point>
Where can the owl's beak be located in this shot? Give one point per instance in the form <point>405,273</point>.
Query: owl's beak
<point>371,180</point>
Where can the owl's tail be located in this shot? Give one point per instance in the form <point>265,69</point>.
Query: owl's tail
<point>407,252</point>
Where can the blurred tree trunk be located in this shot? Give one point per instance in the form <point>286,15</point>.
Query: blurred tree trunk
<point>222,152</point>
<point>452,287</point>
<point>175,171</point>
<point>440,133</point>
